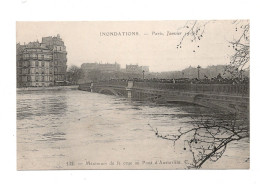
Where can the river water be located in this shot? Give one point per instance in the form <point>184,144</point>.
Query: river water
<point>72,129</point>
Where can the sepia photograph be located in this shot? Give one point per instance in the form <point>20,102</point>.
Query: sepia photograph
<point>133,95</point>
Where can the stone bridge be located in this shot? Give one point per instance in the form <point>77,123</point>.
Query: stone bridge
<point>226,97</point>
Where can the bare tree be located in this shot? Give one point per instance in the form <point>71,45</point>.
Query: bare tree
<point>208,139</point>
<point>239,61</point>
<point>193,31</point>
<point>74,73</point>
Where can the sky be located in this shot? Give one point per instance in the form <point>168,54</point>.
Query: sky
<point>159,52</point>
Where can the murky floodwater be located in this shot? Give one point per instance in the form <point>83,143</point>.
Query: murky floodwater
<point>71,129</point>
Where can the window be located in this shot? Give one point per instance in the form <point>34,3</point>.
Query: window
<point>43,63</point>
<point>37,77</point>
<point>25,56</point>
<point>37,63</point>
<point>42,77</point>
<point>20,79</point>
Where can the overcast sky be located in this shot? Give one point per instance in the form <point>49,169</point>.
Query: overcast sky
<point>84,43</point>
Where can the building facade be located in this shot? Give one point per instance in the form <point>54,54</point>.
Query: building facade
<point>41,64</point>
<point>59,64</point>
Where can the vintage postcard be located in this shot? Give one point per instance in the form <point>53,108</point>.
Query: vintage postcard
<point>133,95</point>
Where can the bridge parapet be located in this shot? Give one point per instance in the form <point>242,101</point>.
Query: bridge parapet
<point>85,87</point>
<point>236,89</point>
<point>230,97</point>
<point>121,83</point>
<point>225,89</point>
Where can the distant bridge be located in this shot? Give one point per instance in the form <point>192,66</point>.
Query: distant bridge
<point>227,97</point>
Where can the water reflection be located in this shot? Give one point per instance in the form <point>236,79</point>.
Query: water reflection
<point>40,104</point>
<point>208,138</point>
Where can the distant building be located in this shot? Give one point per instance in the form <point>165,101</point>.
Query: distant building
<point>136,69</point>
<point>107,67</point>
<point>41,64</point>
<point>133,69</point>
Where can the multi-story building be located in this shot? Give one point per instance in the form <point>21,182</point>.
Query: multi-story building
<point>41,64</point>
<point>58,66</point>
<point>33,65</point>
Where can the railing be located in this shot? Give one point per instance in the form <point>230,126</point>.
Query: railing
<point>85,86</point>
<point>239,89</point>
<point>230,89</point>
<point>113,83</point>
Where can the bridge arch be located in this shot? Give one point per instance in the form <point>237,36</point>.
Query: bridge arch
<point>198,97</point>
<point>187,99</point>
<point>203,100</point>
<point>109,91</point>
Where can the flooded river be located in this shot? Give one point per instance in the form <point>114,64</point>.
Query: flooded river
<point>72,129</point>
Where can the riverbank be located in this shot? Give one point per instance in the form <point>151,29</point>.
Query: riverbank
<point>47,88</point>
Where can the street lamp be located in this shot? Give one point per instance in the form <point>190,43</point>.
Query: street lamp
<point>198,71</point>
<point>143,74</point>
